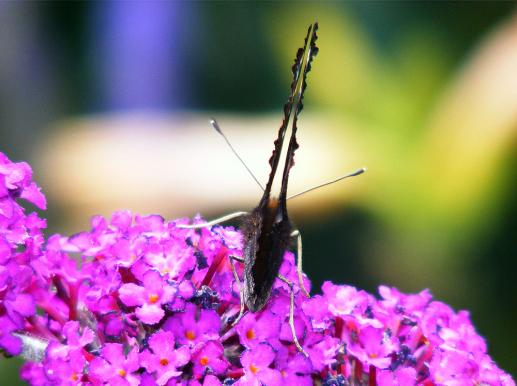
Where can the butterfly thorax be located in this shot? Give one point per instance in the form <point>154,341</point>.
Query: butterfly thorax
<point>266,237</point>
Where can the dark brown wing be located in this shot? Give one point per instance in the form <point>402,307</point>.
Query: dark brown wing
<point>267,229</point>
<point>299,73</point>
<point>305,66</point>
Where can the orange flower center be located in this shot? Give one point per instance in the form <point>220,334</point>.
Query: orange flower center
<point>190,335</point>
<point>250,334</point>
<point>74,376</point>
<point>153,298</point>
<point>121,372</point>
<point>253,369</point>
<point>203,361</point>
<point>164,361</point>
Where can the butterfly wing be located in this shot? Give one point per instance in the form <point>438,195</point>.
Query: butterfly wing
<point>299,69</point>
<point>309,52</point>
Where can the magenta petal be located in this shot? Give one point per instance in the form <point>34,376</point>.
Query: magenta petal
<point>218,366</point>
<point>114,353</point>
<point>149,360</point>
<point>403,377</point>
<point>3,189</point>
<point>153,281</point>
<point>247,358</point>
<point>114,326</point>
<point>6,207</point>
<point>150,313</point>
<point>248,380</point>
<point>19,174</point>
<point>211,380</point>
<point>147,380</point>
<point>270,377</point>
<point>213,351</point>
<point>267,326</point>
<point>209,321</point>
<point>132,364</point>
<point>316,309</point>
<point>261,355</point>
<point>122,219</point>
<point>162,341</point>
<point>300,364</point>
<point>87,337</point>
<point>324,353</point>
<point>164,377</point>
<point>167,294</point>
<point>24,305</point>
<point>186,289</point>
<point>342,299</point>
<point>100,369</point>
<point>10,343</point>
<point>5,250</point>
<point>128,380</point>
<point>182,356</point>
<point>132,294</point>
<point>122,250</point>
<point>33,194</point>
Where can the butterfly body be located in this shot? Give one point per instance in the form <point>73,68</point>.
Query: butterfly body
<point>267,233</point>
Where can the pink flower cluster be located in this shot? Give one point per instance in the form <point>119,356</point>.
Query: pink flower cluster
<point>139,301</point>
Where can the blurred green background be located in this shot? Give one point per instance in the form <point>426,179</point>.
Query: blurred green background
<point>423,93</point>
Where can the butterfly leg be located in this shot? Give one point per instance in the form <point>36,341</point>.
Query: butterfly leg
<point>228,217</point>
<point>296,233</point>
<point>291,314</point>
<point>241,289</point>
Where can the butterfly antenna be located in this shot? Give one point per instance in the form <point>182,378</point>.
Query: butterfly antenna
<point>217,128</point>
<point>356,173</point>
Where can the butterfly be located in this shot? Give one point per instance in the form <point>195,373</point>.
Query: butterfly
<point>267,230</point>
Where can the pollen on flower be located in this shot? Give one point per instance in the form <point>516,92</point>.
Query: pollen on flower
<point>190,335</point>
<point>121,372</point>
<point>250,334</point>
<point>254,369</point>
<point>204,361</point>
<point>164,361</point>
<point>153,298</point>
<point>74,376</point>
